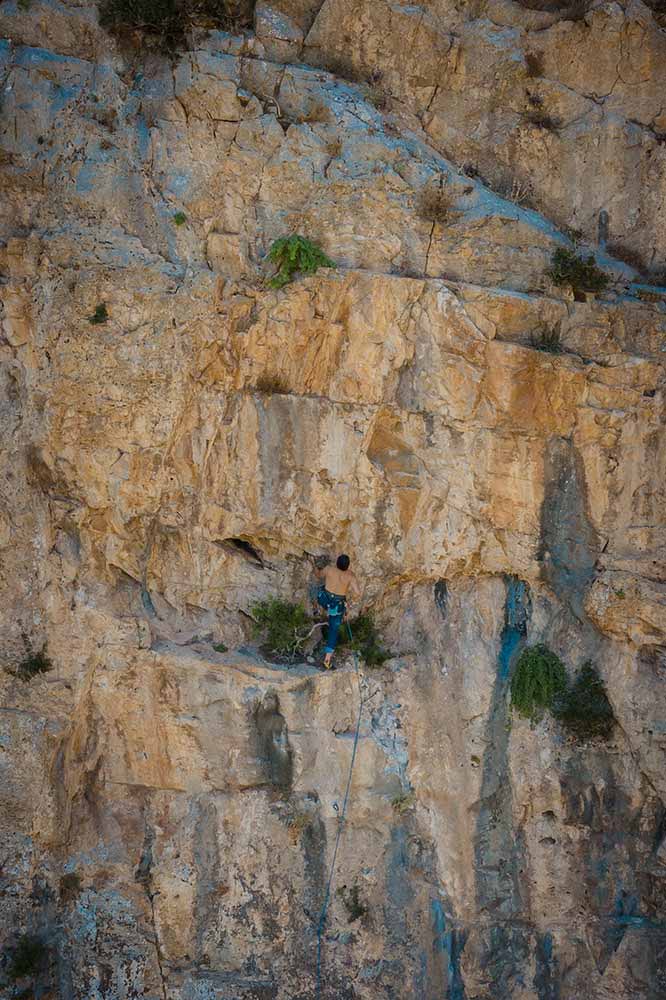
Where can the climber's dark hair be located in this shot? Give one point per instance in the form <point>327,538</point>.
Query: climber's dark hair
<point>342,563</point>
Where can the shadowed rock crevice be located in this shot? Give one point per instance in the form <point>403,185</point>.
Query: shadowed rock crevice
<point>449,944</point>
<point>620,829</point>
<point>272,739</point>
<point>547,974</point>
<point>499,848</point>
<point>569,544</point>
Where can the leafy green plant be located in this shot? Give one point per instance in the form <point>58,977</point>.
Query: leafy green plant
<point>351,900</point>
<point>293,255</point>
<point>284,626</point>
<point>582,274</point>
<point>100,315</point>
<point>33,663</point>
<point>403,802</point>
<point>365,640</point>
<point>179,219</point>
<point>546,338</point>
<point>539,678</point>
<point>584,709</point>
<point>28,957</point>
<point>219,647</point>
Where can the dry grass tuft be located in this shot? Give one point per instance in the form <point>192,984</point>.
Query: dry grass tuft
<point>541,119</point>
<point>272,385</point>
<point>534,64</point>
<point>317,112</point>
<point>437,204</point>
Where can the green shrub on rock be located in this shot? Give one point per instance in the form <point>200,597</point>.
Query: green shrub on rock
<point>584,709</point>
<point>33,663</point>
<point>538,680</point>
<point>365,640</point>
<point>295,255</point>
<point>27,958</point>
<point>283,625</point>
<point>581,273</point>
<point>546,338</point>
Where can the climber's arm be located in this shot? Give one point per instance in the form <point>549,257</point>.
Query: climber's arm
<point>354,592</point>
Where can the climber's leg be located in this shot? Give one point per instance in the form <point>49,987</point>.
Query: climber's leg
<point>334,623</point>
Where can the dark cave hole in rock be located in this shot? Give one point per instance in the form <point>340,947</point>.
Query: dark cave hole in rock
<point>244,547</point>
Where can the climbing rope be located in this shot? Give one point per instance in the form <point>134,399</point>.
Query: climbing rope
<point>341,819</point>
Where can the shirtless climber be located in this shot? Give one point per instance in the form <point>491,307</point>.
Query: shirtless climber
<point>337,583</point>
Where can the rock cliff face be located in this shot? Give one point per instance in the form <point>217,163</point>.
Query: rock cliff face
<point>170,811</point>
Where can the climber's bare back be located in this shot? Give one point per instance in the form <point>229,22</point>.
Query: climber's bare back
<point>340,582</point>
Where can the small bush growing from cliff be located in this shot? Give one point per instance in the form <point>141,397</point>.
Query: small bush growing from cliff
<point>179,219</point>
<point>70,887</point>
<point>295,255</point>
<point>27,958</point>
<point>574,234</point>
<point>33,663</point>
<point>100,315</point>
<point>374,94</point>
<point>584,710</point>
<point>403,803</point>
<point>543,120</point>
<point>351,900</point>
<point>317,112</point>
<point>282,625</point>
<point>272,385</point>
<point>334,147</point>
<point>582,274</point>
<point>534,64</point>
<point>436,204</point>
<point>517,191</point>
<point>570,10</point>
<point>539,678</point>
<point>163,24</point>
<point>298,824</point>
<point>365,640</point>
<point>546,338</point>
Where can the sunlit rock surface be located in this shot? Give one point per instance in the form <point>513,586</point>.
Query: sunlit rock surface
<point>169,811</point>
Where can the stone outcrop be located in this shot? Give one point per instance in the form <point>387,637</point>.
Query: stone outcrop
<point>180,441</point>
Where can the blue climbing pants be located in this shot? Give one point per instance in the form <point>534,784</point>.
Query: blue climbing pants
<point>335,607</point>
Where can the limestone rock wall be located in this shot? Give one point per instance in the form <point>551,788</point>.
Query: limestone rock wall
<point>170,812</point>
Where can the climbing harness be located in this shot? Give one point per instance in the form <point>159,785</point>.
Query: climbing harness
<point>334,604</point>
<point>341,818</point>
